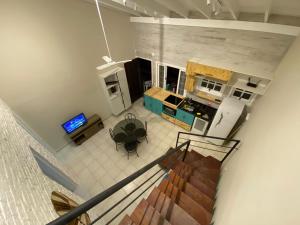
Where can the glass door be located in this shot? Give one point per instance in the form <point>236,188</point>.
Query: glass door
<point>181,82</point>
<point>161,76</point>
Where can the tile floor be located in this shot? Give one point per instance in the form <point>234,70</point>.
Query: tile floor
<point>97,165</point>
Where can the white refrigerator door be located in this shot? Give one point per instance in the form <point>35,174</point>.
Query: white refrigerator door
<point>125,90</point>
<point>225,118</point>
<point>116,105</point>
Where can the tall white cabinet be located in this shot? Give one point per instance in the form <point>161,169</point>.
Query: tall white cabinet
<point>114,84</point>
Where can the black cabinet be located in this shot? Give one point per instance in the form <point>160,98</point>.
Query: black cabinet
<point>138,73</point>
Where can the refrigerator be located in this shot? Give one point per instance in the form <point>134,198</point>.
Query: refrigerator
<point>115,87</point>
<point>228,119</point>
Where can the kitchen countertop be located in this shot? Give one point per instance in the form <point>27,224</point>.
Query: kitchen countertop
<point>161,94</point>
<point>207,112</point>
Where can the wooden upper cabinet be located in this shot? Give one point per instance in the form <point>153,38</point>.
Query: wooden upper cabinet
<point>194,69</point>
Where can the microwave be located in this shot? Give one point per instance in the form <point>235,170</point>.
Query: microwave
<point>169,111</point>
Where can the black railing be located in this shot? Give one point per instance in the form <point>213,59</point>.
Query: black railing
<point>180,143</point>
<point>84,207</point>
<point>231,144</point>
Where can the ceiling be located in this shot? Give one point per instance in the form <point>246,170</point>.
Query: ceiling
<point>272,11</point>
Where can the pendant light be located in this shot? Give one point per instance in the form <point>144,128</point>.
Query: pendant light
<point>108,59</point>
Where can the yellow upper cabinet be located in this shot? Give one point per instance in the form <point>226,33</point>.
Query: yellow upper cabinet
<point>193,69</point>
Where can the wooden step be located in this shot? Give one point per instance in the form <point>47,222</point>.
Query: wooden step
<point>212,174</point>
<point>183,170</point>
<point>199,197</point>
<point>146,214</point>
<point>139,212</point>
<point>202,187</point>
<point>172,212</point>
<point>193,208</point>
<point>197,211</point>
<point>171,160</point>
<point>207,162</point>
<point>207,179</point>
<point>193,156</point>
<point>191,191</point>
<point>126,221</point>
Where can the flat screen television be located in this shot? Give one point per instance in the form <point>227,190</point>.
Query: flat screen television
<point>74,123</point>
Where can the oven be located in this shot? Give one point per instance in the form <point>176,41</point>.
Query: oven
<point>169,111</point>
<point>199,125</point>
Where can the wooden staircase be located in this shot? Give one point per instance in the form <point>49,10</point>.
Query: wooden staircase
<point>185,196</point>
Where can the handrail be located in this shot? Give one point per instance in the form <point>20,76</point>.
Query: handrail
<point>236,143</point>
<point>84,207</point>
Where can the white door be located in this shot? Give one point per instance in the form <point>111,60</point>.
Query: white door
<point>124,88</point>
<point>116,104</point>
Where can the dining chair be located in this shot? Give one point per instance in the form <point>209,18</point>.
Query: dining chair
<point>141,133</point>
<point>130,116</point>
<point>117,138</point>
<point>131,147</point>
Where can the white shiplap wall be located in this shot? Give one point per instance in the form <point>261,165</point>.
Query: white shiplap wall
<point>243,51</point>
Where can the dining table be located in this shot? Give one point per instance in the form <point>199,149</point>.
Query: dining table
<point>130,128</point>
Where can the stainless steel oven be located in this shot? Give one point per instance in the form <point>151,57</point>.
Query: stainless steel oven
<point>169,111</point>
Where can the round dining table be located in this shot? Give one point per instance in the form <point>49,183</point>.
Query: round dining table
<point>129,127</point>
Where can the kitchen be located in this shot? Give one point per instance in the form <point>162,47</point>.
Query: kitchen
<point>203,99</point>
<point>199,98</point>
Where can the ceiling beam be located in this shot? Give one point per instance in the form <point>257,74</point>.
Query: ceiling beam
<point>268,10</point>
<point>223,24</point>
<point>175,6</point>
<point>232,7</point>
<point>127,6</point>
<point>200,6</point>
<point>154,6</point>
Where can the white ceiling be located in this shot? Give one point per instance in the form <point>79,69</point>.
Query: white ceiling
<point>282,7</point>
<point>230,9</point>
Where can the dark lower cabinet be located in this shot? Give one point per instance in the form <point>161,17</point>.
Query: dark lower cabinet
<point>138,71</point>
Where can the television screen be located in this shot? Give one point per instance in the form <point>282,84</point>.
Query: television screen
<point>74,123</point>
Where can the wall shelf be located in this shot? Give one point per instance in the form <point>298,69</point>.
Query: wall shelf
<point>242,84</point>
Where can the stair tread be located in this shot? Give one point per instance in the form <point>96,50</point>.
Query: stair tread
<point>139,212</point>
<point>193,192</point>
<point>210,173</point>
<point>196,210</point>
<point>207,179</point>
<point>156,218</point>
<point>174,214</point>
<point>148,216</point>
<point>152,198</point>
<point>199,197</point>
<point>192,156</point>
<point>126,221</point>
<point>202,187</point>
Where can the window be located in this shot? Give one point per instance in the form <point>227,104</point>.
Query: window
<point>242,94</point>
<point>211,85</point>
<point>171,78</point>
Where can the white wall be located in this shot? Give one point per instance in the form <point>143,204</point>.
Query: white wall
<point>261,182</point>
<point>25,191</point>
<point>49,52</point>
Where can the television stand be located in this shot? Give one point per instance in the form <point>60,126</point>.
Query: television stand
<point>83,133</point>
